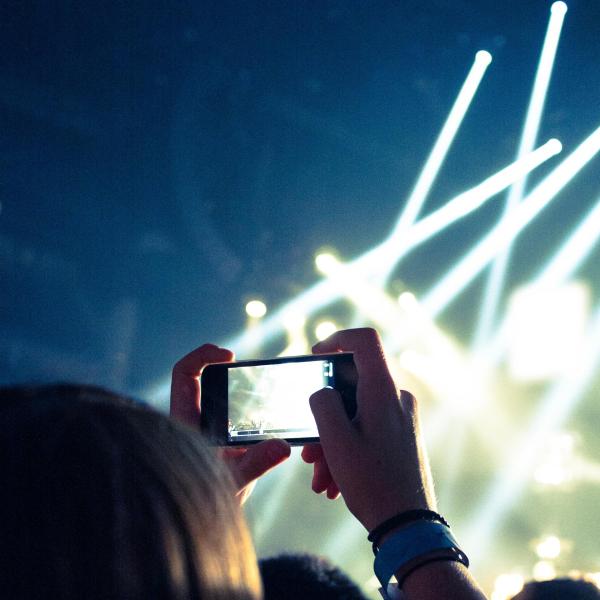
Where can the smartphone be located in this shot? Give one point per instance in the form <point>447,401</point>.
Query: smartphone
<point>249,401</point>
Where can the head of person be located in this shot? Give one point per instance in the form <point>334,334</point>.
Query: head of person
<point>301,576</point>
<point>103,498</point>
<point>559,589</point>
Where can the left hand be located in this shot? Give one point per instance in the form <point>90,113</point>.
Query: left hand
<point>246,464</point>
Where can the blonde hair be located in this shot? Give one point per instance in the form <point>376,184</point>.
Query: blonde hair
<point>106,499</point>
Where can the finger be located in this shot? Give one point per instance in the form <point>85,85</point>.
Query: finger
<point>311,453</point>
<point>333,492</point>
<point>322,478</point>
<point>335,429</point>
<point>367,348</point>
<point>185,384</point>
<point>259,459</point>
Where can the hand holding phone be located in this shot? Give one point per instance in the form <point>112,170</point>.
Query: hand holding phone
<point>249,401</point>
<point>377,460</point>
<point>245,464</point>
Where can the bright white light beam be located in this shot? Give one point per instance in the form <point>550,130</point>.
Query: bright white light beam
<point>509,227</point>
<point>495,281</point>
<point>574,251</point>
<point>442,145</point>
<point>558,269</point>
<point>468,201</point>
<point>554,409</point>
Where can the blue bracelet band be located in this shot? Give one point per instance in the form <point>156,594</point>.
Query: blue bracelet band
<point>418,539</point>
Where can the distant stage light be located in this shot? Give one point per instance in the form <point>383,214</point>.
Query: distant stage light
<point>551,475</point>
<point>559,8</point>
<point>495,281</point>
<point>256,309</point>
<point>548,548</point>
<point>543,570</point>
<point>483,57</point>
<point>326,262</point>
<point>507,585</point>
<point>540,346</point>
<point>554,408</point>
<point>324,329</point>
<point>594,578</point>
<point>408,301</point>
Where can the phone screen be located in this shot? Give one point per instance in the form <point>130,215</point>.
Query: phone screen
<point>262,403</point>
<point>249,401</point>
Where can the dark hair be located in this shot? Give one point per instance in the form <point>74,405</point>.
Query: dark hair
<point>302,576</point>
<point>559,589</point>
<point>103,498</point>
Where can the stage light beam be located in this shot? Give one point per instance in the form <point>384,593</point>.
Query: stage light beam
<point>554,408</point>
<point>509,227</point>
<point>565,262</point>
<point>495,281</point>
<point>443,143</point>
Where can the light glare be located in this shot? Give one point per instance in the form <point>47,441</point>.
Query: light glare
<point>543,571</point>
<point>559,8</point>
<point>483,57</point>
<point>324,329</point>
<point>548,547</point>
<point>256,309</point>
<point>540,345</point>
<point>326,262</point>
<point>507,585</point>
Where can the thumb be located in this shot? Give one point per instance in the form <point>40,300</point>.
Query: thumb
<point>260,458</point>
<point>333,423</point>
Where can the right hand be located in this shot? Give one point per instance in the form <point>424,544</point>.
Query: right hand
<point>377,461</point>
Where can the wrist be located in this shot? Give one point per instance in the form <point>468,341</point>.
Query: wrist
<point>413,546</point>
<point>387,528</point>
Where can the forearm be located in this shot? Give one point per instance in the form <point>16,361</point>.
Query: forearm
<point>442,580</point>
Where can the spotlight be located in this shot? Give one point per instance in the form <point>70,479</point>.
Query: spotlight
<point>256,309</point>
<point>483,57</point>
<point>540,346</point>
<point>548,547</point>
<point>507,585</point>
<point>408,301</point>
<point>543,571</point>
<point>326,262</point>
<point>559,8</point>
<point>324,329</point>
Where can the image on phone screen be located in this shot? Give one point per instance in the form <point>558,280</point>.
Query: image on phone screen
<point>272,400</point>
